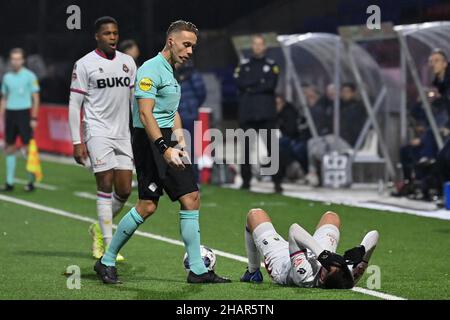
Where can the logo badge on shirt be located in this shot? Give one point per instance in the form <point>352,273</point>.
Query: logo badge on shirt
<point>266,68</point>
<point>125,68</point>
<point>100,69</point>
<point>301,271</point>
<point>153,186</point>
<point>145,84</point>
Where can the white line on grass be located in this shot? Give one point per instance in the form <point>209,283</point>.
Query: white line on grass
<point>91,196</point>
<point>377,294</point>
<point>37,184</point>
<point>67,214</point>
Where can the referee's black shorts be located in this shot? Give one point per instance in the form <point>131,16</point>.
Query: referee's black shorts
<point>17,123</point>
<point>153,172</point>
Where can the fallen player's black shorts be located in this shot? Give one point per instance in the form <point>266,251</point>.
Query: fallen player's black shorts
<point>154,173</point>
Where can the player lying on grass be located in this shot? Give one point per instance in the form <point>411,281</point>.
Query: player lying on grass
<point>304,261</point>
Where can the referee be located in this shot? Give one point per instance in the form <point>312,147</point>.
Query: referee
<point>161,162</point>
<point>20,93</point>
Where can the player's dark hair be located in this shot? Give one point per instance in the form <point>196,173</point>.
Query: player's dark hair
<point>17,50</point>
<point>440,52</point>
<point>127,44</point>
<point>104,20</point>
<point>181,25</point>
<point>339,280</point>
<point>349,85</point>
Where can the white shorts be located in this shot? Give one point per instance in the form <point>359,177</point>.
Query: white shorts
<point>106,154</point>
<point>275,249</point>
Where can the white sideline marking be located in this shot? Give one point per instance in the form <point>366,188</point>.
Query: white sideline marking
<point>377,294</point>
<point>269,203</point>
<point>165,239</point>
<point>91,196</point>
<point>37,184</point>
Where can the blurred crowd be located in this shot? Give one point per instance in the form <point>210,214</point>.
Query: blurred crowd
<point>425,168</point>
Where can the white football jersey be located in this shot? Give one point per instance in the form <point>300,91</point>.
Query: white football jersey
<point>107,87</point>
<point>304,271</point>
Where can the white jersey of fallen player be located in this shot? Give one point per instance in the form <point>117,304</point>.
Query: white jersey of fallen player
<point>304,270</point>
<point>107,87</point>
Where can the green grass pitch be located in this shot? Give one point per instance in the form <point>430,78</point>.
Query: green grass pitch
<point>36,246</point>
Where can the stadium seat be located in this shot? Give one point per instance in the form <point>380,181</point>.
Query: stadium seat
<point>368,166</point>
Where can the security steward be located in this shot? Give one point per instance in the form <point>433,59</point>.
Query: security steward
<point>256,79</point>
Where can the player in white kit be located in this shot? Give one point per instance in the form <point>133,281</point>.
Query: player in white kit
<point>304,260</point>
<point>102,87</point>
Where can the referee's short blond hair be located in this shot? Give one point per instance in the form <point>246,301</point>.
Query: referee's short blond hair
<point>181,25</point>
<point>17,50</point>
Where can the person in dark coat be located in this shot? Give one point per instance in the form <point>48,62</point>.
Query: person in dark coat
<point>256,79</point>
<point>294,138</point>
<point>353,114</point>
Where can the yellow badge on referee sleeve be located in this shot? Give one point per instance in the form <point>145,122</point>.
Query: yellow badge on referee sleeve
<point>276,70</point>
<point>145,84</point>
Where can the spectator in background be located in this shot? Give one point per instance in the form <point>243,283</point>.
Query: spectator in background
<point>420,148</point>
<point>256,79</point>
<point>293,141</point>
<point>439,66</point>
<point>438,105</point>
<point>329,98</point>
<point>322,114</point>
<point>131,48</point>
<point>353,114</point>
<point>419,155</point>
<point>320,111</point>
<point>53,86</point>
<point>193,95</point>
